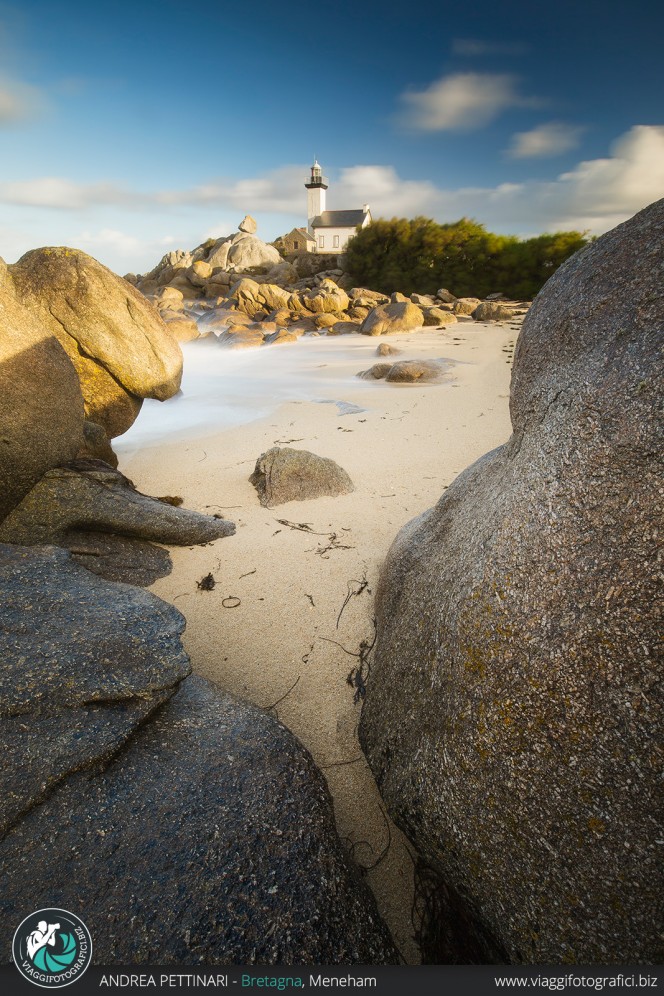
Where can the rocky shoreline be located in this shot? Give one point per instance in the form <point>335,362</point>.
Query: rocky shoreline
<point>241,290</point>
<point>510,714</point>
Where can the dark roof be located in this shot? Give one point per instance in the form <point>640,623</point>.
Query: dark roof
<point>339,219</point>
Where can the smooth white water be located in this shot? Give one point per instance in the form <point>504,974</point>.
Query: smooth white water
<point>223,387</point>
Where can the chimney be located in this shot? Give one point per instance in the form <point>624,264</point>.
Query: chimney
<point>365,208</point>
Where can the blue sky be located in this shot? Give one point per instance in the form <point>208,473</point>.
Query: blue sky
<point>128,129</point>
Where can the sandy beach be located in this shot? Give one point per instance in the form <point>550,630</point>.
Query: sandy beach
<point>293,598</point>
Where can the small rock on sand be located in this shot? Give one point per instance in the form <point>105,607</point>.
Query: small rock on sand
<point>283,474</point>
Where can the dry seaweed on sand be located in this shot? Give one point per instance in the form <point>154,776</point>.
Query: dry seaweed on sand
<point>362,585</point>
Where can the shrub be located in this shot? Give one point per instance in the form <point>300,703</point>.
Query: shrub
<point>423,255</point>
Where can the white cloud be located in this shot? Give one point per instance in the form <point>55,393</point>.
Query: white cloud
<point>546,140</point>
<point>596,195</point>
<point>280,190</point>
<point>18,101</point>
<point>462,102</point>
<point>56,192</point>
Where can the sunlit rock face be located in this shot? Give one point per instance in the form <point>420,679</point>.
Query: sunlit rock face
<point>118,344</point>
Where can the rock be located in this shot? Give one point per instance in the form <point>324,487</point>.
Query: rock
<point>445,296</point>
<point>222,318</point>
<point>423,300</point>
<point>303,326</point>
<point>118,558</point>
<point>495,297</point>
<point>190,292</point>
<point>436,317</point>
<point>239,337</point>
<point>169,294</point>
<point>217,832</point>
<point>199,273</point>
<point>412,371</point>
<point>91,495</point>
<point>358,314</point>
<point>96,445</point>
<point>308,263</point>
<point>390,319</point>
<point>120,348</point>
<point>377,372</point>
<point>511,719</point>
<point>41,405</point>
<point>218,258</point>
<point>491,311</point>
<point>405,371</point>
<point>465,305</point>
<point>245,292</point>
<point>281,316</point>
<point>281,335</point>
<point>209,818</point>
<point>344,328</point>
<point>325,320</point>
<point>384,349</point>
<point>283,273</point>
<point>362,298</point>
<point>248,224</point>
<point>82,663</point>
<point>272,297</point>
<point>249,252</point>
<point>182,329</point>
<point>327,297</point>
<point>283,474</point>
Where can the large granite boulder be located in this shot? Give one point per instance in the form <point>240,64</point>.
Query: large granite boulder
<point>390,319</point>
<point>512,717</point>
<point>201,833</point>
<point>283,474</point>
<point>248,251</point>
<point>91,495</point>
<point>218,258</point>
<point>41,405</point>
<point>117,342</point>
<point>82,663</point>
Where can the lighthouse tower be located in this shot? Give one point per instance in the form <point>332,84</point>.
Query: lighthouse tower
<point>316,186</point>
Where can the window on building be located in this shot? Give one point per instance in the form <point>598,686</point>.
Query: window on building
<point>336,242</point>
<point>321,241</point>
<point>296,245</point>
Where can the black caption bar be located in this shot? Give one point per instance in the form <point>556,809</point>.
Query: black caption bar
<point>425,980</point>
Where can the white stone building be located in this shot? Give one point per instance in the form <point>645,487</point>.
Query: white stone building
<point>331,229</point>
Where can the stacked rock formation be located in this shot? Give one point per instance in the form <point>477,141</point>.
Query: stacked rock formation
<point>79,351</point>
<point>216,287</point>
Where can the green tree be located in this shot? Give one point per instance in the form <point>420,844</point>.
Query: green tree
<point>423,255</point>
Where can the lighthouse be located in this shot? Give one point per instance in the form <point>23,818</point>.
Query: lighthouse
<point>316,186</point>
<point>331,230</point>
